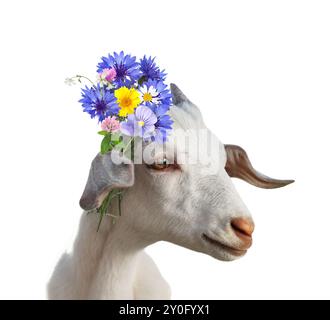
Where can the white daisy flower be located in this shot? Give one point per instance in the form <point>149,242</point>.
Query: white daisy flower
<point>149,95</point>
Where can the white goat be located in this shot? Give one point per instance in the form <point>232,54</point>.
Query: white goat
<point>181,203</point>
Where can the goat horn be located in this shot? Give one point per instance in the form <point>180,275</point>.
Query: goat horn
<point>178,96</point>
<point>239,166</point>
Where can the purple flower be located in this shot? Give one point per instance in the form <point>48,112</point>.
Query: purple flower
<point>139,124</point>
<point>126,67</point>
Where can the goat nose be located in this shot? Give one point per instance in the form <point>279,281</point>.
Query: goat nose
<point>243,229</point>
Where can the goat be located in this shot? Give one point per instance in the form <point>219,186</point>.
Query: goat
<point>181,203</point>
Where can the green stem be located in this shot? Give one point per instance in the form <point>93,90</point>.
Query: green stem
<point>128,144</point>
<point>119,203</point>
<point>104,208</point>
<point>83,77</point>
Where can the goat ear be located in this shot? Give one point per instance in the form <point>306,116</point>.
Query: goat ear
<point>107,171</point>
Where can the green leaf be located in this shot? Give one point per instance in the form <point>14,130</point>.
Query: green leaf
<point>116,136</point>
<point>106,144</point>
<point>103,133</point>
<point>141,80</point>
<point>118,143</point>
<point>115,142</point>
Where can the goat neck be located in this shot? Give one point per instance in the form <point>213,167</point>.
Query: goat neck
<point>106,260</point>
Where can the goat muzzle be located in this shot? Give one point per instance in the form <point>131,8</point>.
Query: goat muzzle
<point>243,229</point>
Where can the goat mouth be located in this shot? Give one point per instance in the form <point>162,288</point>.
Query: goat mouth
<point>216,243</point>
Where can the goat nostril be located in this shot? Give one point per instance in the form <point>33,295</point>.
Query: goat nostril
<point>242,227</point>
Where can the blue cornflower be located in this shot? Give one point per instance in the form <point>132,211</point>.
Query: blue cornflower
<point>127,69</point>
<point>155,95</point>
<point>162,127</point>
<point>150,71</point>
<point>99,102</point>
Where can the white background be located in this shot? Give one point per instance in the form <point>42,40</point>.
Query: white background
<point>260,72</point>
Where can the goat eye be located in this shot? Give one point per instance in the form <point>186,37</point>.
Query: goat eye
<point>160,164</point>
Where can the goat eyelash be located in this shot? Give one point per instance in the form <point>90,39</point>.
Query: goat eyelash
<point>163,165</point>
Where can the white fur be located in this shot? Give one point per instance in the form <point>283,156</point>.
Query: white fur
<point>177,207</point>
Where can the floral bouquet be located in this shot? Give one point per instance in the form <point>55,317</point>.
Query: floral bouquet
<point>129,99</point>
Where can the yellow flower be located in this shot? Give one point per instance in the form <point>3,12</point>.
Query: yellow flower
<point>127,99</point>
